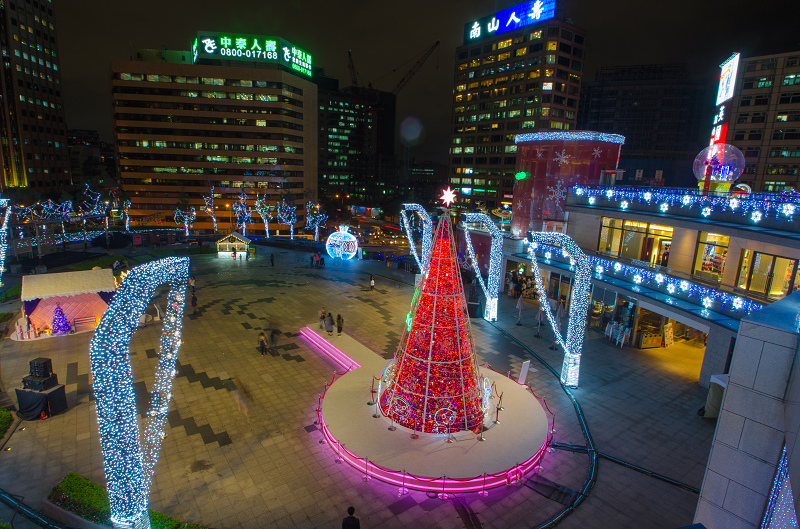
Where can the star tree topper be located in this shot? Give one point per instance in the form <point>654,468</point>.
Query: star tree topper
<point>448,196</point>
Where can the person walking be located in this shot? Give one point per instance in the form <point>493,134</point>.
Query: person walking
<point>329,324</point>
<point>272,259</point>
<point>262,343</point>
<point>273,340</point>
<point>191,283</point>
<point>339,323</point>
<point>311,259</point>
<point>194,304</point>
<point>321,316</point>
<point>351,522</point>
<point>316,260</point>
<point>247,256</point>
<point>372,282</point>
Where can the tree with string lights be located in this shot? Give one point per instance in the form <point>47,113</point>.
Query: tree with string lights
<point>264,211</point>
<point>287,216</point>
<point>186,218</point>
<point>314,219</point>
<point>209,200</point>
<point>243,214</point>
<point>433,384</point>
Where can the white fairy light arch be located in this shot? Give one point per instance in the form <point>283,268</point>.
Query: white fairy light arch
<point>492,285</point>
<point>129,460</point>
<point>427,231</point>
<point>579,306</point>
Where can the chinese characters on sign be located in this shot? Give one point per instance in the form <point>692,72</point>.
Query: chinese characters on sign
<point>515,17</point>
<point>236,47</point>
<point>727,82</point>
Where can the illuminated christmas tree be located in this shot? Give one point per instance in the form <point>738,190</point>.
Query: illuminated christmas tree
<point>60,322</point>
<point>433,385</point>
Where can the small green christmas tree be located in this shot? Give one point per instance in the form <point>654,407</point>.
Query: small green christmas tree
<point>60,322</point>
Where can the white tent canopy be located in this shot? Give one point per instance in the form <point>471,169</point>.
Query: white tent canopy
<point>64,284</point>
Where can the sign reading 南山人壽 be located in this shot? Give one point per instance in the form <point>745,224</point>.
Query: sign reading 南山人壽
<point>251,48</point>
<point>515,17</point>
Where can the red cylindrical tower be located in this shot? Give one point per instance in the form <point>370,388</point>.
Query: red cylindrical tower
<point>550,162</point>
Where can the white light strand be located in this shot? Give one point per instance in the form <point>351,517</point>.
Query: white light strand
<point>495,262</point>
<point>129,460</point>
<point>755,207</point>
<point>427,231</point>
<point>664,283</point>
<point>243,214</point>
<point>579,306</point>
<point>780,511</point>
<point>581,135</point>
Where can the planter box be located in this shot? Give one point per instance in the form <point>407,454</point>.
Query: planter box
<point>54,512</point>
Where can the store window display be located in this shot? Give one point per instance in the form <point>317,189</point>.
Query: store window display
<point>712,250</point>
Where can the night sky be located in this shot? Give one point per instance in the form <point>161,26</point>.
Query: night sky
<point>387,37</point>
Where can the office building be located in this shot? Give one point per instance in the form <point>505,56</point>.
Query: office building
<point>519,70</point>
<point>33,134</point>
<point>764,120</point>
<point>356,144</point>
<point>661,111</point>
<point>237,115</point>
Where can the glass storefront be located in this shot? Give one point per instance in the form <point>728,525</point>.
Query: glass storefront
<point>635,240</point>
<point>709,260</point>
<point>768,274</point>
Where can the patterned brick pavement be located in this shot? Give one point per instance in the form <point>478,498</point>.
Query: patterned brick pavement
<point>242,450</point>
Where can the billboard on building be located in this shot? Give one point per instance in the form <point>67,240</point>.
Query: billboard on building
<point>251,48</point>
<point>510,19</point>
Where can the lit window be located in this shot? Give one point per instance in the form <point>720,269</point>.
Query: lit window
<point>552,45</point>
<point>503,44</point>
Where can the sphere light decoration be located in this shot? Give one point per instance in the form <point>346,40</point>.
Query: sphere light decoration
<point>579,306</point>
<point>492,286</point>
<point>720,162</point>
<point>342,244</point>
<point>130,461</point>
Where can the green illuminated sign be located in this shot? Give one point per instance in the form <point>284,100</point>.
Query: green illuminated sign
<point>251,48</point>
<point>522,175</point>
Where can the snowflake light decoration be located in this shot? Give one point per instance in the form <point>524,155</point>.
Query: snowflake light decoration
<point>557,192</point>
<point>539,154</point>
<point>648,196</point>
<point>756,216</point>
<point>788,210</point>
<point>591,201</point>
<point>596,152</point>
<point>706,211</point>
<point>624,204</point>
<point>733,203</point>
<point>562,158</point>
<point>664,207</point>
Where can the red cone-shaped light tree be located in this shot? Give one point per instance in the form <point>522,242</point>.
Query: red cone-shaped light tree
<point>433,384</point>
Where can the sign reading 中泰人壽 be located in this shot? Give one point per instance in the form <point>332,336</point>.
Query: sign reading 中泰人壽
<point>251,48</point>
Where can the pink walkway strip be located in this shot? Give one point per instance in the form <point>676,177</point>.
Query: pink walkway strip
<point>329,349</point>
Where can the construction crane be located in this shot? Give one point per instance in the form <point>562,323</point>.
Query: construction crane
<point>352,66</point>
<point>414,69</point>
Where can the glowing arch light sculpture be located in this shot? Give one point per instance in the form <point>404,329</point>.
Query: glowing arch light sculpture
<point>579,306</point>
<point>4,203</point>
<point>495,262</point>
<point>129,460</point>
<point>427,231</point>
<point>342,244</point>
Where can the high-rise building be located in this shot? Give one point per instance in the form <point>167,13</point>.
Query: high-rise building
<point>356,144</point>
<point>519,70</point>
<point>238,114</point>
<point>764,120</point>
<point>659,110</point>
<point>33,134</point>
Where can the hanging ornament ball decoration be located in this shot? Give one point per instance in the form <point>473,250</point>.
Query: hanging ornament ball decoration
<point>721,162</point>
<point>342,244</point>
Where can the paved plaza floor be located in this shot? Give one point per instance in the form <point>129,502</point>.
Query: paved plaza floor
<point>242,449</point>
